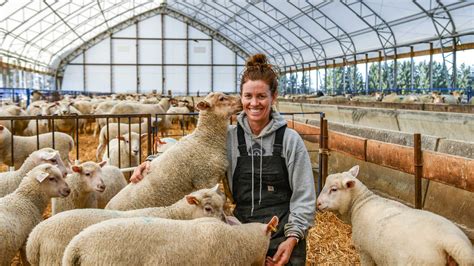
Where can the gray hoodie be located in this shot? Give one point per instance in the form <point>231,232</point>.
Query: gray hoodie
<point>303,199</point>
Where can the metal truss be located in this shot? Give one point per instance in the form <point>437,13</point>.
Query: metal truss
<point>301,33</point>
<point>445,27</point>
<point>211,19</point>
<point>383,30</point>
<point>230,7</point>
<point>315,14</point>
<point>163,9</point>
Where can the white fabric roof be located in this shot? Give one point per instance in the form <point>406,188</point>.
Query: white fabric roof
<point>42,33</point>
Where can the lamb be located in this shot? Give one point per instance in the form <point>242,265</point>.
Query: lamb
<point>446,99</point>
<point>184,167</point>
<point>47,241</point>
<point>102,108</point>
<point>113,132</point>
<point>84,182</point>
<point>24,146</point>
<point>67,125</point>
<point>13,110</point>
<point>22,210</point>
<point>183,120</point>
<point>129,151</point>
<point>40,108</point>
<point>138,108</point>
<point>203,241</point>
<point>9,181</point>
<point>114,181</point>
<point>386,232</point>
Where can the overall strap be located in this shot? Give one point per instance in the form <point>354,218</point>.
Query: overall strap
<point>241,141</point>
<point>278,144</point>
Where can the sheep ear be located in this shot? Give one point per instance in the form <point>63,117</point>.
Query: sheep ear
<point>42,176</point>
<point>47,155</point>
<point>101,164</point>
<point>203,105</point>
<point>76,168</point>
<point>215,188</point>
<point>192,200</point>
<point>354,171</point>
<point>272,225</point>
<point>349,183</point>
<point>143,135</point>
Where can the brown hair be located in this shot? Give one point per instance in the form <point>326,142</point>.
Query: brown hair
<point>258,68</point>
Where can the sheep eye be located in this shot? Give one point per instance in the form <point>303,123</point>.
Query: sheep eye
<point>333,189</point>
<point>221,99</point>
<point>52,179</point>
<point>208,209</point>
<point>53,160</point>
<point>88,174</point>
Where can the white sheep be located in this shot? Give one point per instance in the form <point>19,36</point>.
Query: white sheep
<point>39,108</point>
<point>114,181</point>
<point>22,210</point>
<point>13,110</point>
<point>203,241</point>
<point>103,108</point>
<point>197,161</point>
<point>386,232</point>
<point>47,241</point>
<point>24,146</point>
<point>129,151</point>
<point>138,108</point>
<point>183,120</point>
<point>67,125</point>
<point>9,181</point>
<point>113,132</point>
<point>85,182</point>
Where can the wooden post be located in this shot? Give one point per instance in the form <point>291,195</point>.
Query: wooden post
<point>418,169</point>
<point>325,153</point>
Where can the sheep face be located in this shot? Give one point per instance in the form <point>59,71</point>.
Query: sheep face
<point>92,174</point>
<point>337,192</point>
<point>135,140</point>
<point>50,156</point>
<point>208,202</point>
<point>221,104</point>
<point>51,180</point>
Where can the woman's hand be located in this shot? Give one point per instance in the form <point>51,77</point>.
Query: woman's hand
<point>140,172</point>
<point>283,254</point>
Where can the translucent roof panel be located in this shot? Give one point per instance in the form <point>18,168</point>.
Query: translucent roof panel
<point>293,32</point>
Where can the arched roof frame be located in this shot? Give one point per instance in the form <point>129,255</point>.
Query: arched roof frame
<point>444,25</point>
<point>163,9</point>
<point>229,31</point>
<point>230,6</point>
<point>346,43</point>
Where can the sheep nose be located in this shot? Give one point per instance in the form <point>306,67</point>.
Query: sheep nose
<point>319,204</point>
<point>65,192</point>
<point>101,187</point>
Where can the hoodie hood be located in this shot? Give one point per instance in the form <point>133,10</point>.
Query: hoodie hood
<point>276,121</point>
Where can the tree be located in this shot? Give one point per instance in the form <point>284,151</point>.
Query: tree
<point>463,75</point>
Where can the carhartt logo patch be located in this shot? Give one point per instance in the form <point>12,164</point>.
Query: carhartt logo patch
<point>271,188</point>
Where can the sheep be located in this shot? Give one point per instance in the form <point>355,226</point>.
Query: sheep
<point>203,241</point>
<point>182,119</point>
<point>103,108</point>
<point>129,151</point>
<point>445,99</point>
<point>86,108</point>
<point>22,210</point>
<point>24,146</point>
<point>197,161</point>
<point>113,131</point>
<point>114,181</point>
<point>47,241</point>
<point>386,232</point>
<point>9,181</point>
<point>138,108</point>
<point>67,125</point>
<point>84,183</point>
<point>43,109</point>
<point>13,110</point>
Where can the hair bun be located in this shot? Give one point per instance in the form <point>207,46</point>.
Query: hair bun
<point>257,60</point>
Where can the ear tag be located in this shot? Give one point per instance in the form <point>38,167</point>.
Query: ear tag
<point>42,176</point>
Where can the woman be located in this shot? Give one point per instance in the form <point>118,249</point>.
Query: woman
<point>269,167</point>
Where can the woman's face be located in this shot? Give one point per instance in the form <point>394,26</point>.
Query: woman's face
<point>257,101</point>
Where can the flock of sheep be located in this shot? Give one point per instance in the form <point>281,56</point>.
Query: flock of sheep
<point>175,215</point>
<point>435,97</point>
